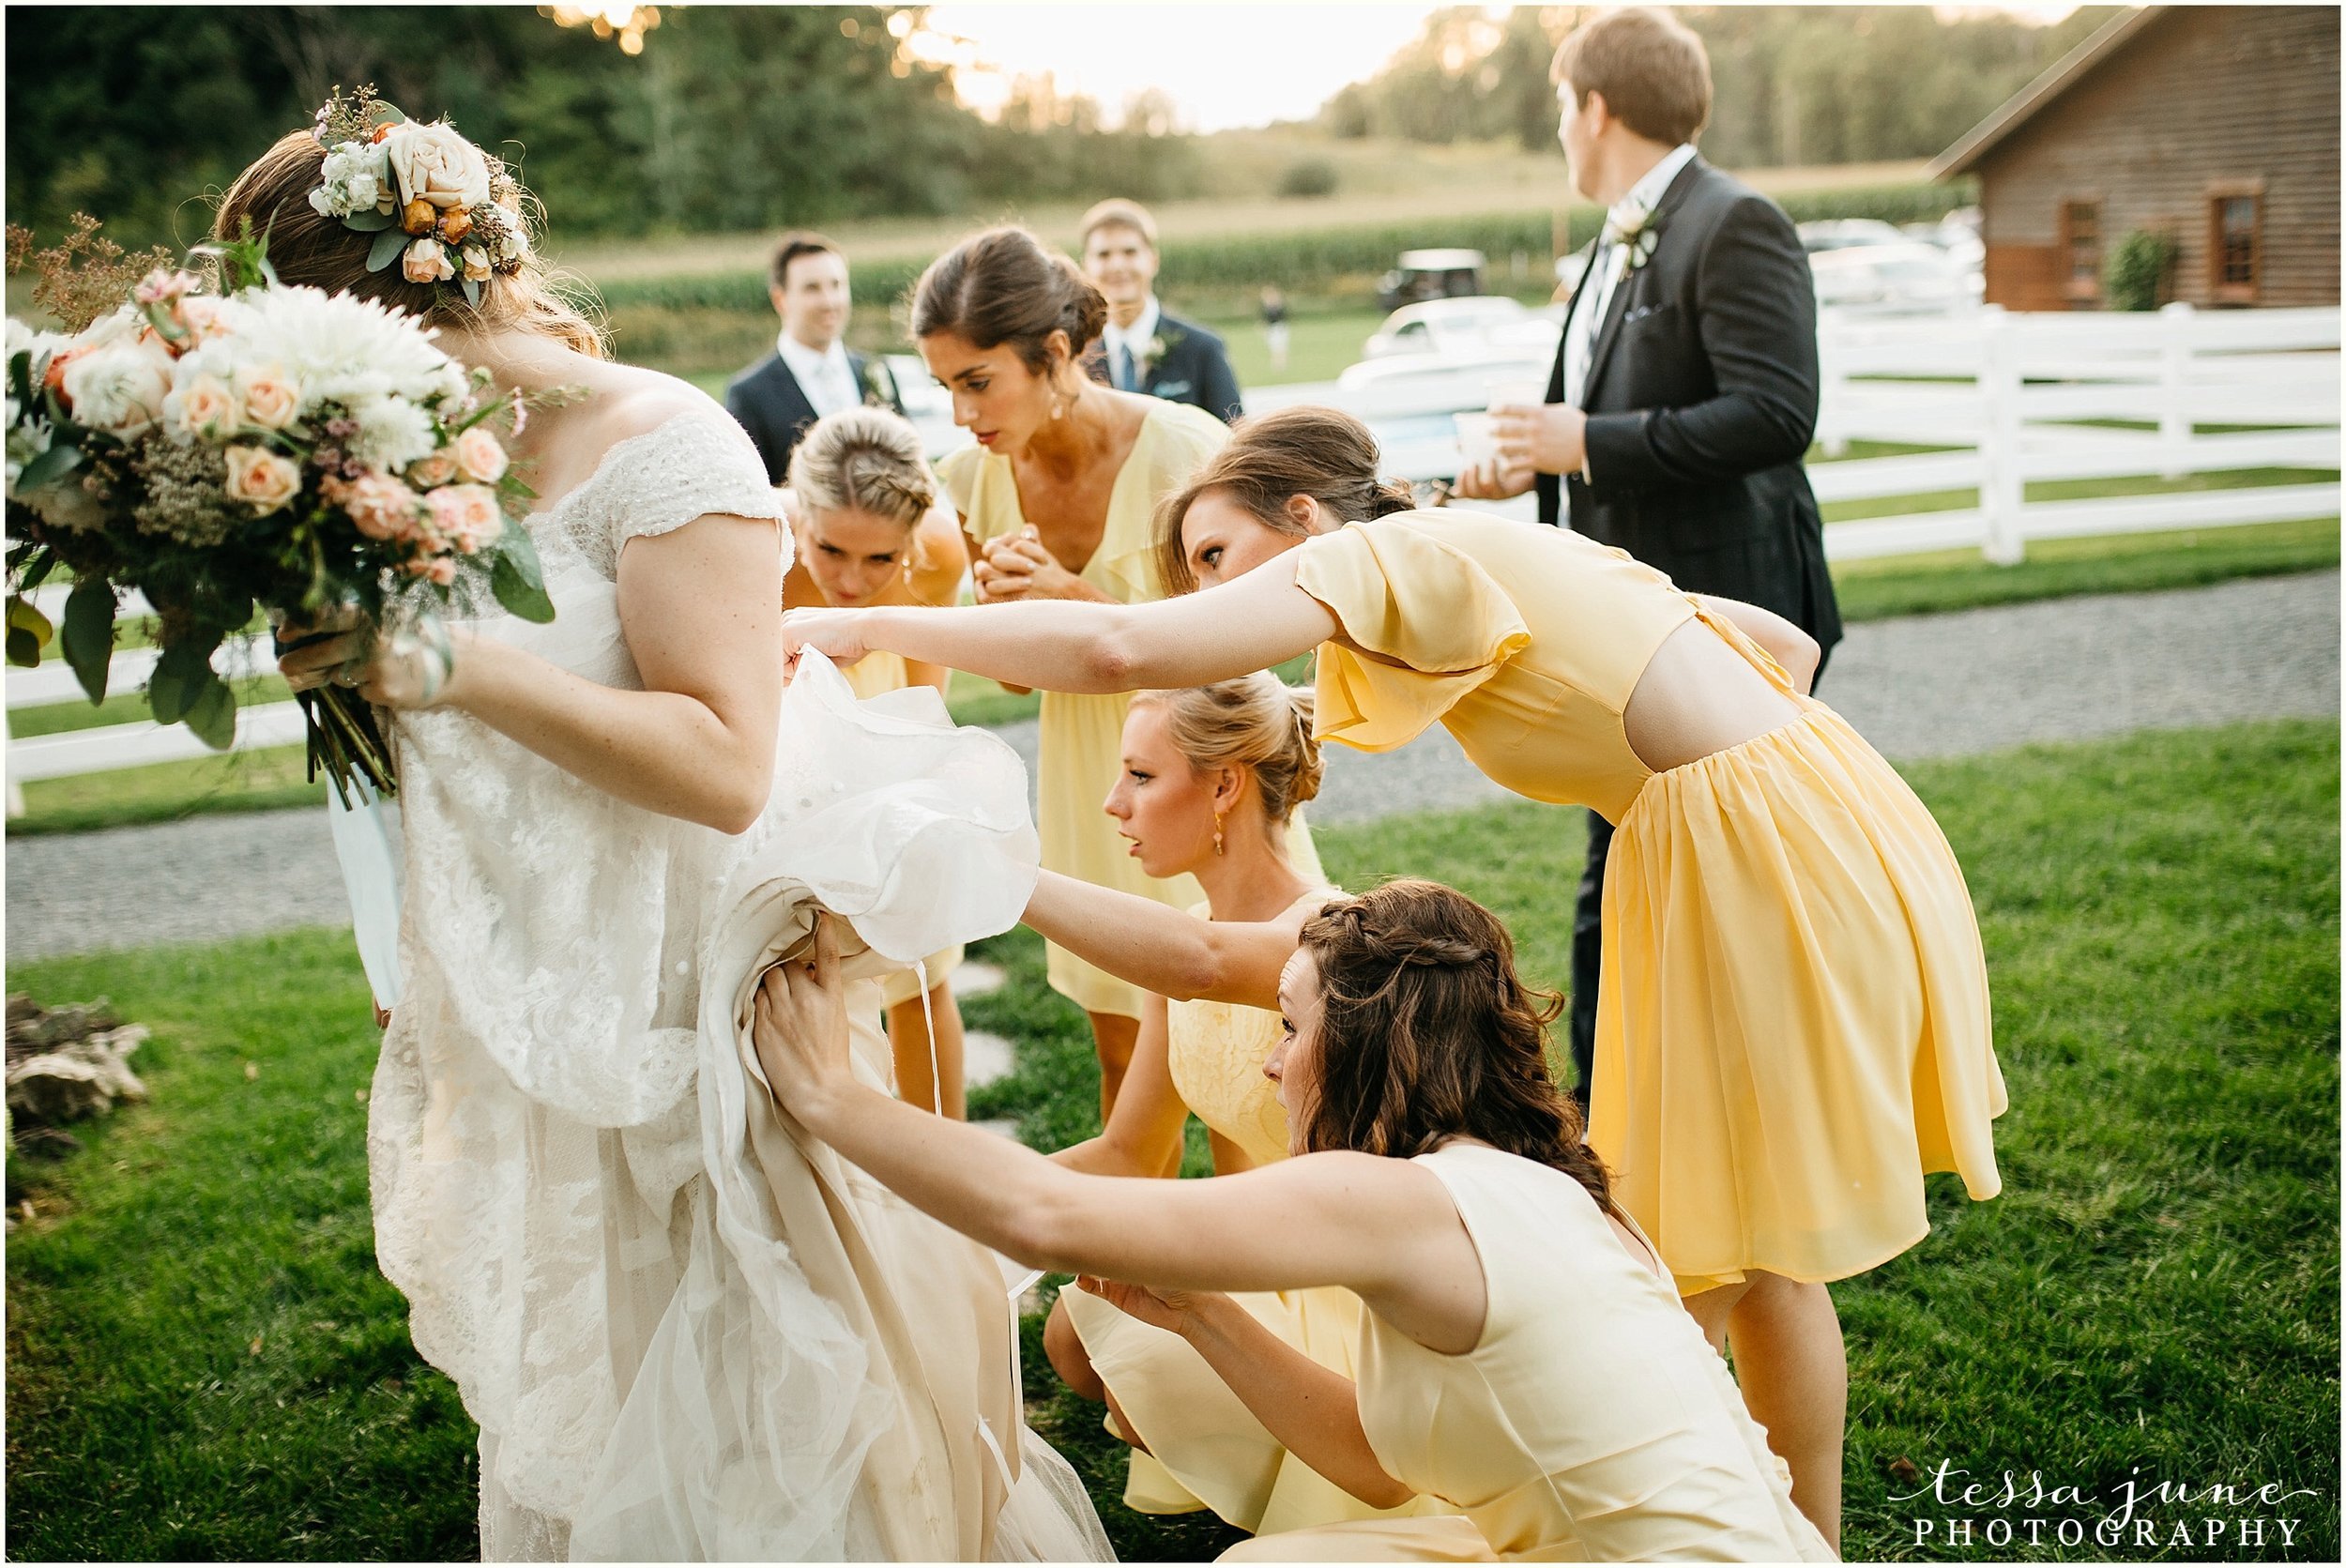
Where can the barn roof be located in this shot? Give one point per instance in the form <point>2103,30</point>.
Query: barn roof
<point>2023,106</point>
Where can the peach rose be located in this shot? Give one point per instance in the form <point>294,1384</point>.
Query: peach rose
<point>478,457</point>
<point>271,400</point>
<point>262,479</point>
<point>204,406</point>
<point>430,473</point>
<point>476,264</point>
<point>439,569</point>
<point>466,515</point>
<point>434,163</point>
<point>426,262</point>
<point>455,223</point>
<point>200,314</point>
<point>381,507</point>
<point>418,216</point>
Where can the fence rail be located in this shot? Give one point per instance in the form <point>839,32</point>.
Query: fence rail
<point>2002,397</point>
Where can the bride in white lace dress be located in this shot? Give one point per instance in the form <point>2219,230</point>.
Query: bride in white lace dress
<point>573,796</point>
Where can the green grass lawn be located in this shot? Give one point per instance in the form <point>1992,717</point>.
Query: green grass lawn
<point>202,1362</point>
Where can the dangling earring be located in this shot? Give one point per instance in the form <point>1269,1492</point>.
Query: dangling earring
<point>1217,832</point>
<point>1057,408</point>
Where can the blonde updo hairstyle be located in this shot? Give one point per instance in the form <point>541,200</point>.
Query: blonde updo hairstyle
<point>307,247</point>
<point>1256,722</point>
<point>865,460</point>
<point>1306,450</point>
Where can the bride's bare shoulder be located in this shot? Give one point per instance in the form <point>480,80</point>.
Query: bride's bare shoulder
<point>633,402</point>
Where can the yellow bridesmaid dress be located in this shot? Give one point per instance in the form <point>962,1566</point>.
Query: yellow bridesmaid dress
<point>1082,741</point>
<point>1206,1449</point>
<point>1591,1423</point>
<point>877,674</point>
<point>1793,1027</point>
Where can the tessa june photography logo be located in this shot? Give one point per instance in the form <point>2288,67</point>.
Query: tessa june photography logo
<point>2204,1517</point>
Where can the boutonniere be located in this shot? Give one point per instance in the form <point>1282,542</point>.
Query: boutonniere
<point>879,385</point>
<point>1158,349</point>
<point>1636,230</point>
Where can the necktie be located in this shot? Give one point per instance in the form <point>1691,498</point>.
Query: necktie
<point>1127,377</point>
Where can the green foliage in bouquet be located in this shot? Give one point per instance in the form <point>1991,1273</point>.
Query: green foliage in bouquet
<point>239,447</point>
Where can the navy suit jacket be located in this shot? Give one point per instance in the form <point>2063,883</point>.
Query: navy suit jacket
<point>1701,397</point>
<point>771,407</point>
<point>1195,369</point>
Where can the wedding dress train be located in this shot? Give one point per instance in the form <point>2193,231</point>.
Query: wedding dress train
<point>685,1330</point>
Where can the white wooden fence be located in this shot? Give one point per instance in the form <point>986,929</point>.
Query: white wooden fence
<point>2003,394</point>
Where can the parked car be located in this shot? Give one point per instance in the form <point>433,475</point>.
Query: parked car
<point>1840,234</point>
<point>1444,274</point>
<point>1957,234</point>
<point>1902,279</point>
<point>1477,321</point>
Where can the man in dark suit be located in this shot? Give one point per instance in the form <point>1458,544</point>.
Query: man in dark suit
<point>812,371</point>
<point>1144,349</point>
<point>1684,392</point>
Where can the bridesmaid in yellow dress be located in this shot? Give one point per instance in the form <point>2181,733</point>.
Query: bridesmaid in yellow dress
<point>869,529</point>
<point>1211,778</point>
<point>1057,499</point>
<point>1792,1029</point>
<point>1522,1354</point>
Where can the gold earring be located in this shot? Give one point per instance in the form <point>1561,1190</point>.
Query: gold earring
<point>1217,832</point>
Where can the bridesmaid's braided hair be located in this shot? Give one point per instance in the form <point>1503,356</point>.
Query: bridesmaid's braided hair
<point>1305,450</point>
<point>1426,1033</point>
<point>864,459</point>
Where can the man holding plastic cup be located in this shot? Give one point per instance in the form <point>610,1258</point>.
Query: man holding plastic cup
<point>1684,392</point>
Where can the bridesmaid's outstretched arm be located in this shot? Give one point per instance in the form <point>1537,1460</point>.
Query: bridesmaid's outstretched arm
<point>1164,949</point>
<point>1070,645</point>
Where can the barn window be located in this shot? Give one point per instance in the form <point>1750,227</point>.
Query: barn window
<point>2082,251</point>
<point>2235,249</point>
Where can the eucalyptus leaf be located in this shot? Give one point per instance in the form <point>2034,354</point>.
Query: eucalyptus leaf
<point>88,639</point>
<point>472,293</point>
<point>23,649</point>
<point>522,595</point>
<point>370,221</point>
<point>178,681</point>
<point>48,467</point>
<point>388,245</point>
<point>212,715</point>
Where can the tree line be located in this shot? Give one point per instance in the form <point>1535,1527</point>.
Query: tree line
<point>1791,84</point>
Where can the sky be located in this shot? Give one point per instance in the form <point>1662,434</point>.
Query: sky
<point>1225,63</point>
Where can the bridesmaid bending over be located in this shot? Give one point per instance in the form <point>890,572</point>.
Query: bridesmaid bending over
<point>1792,1024</point>
<point>870,530</point>
<point>1213,776</point>
<point>1522,1354</point>
<point>1057,498</point>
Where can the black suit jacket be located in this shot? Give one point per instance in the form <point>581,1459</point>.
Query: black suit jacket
<point>1195,369</point>
<point>770,405</point>
<point>1701,397</point>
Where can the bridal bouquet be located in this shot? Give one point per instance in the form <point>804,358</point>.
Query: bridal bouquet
<point>265,448</point>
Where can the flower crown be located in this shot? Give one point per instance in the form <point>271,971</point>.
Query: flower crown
<point>441,207</point>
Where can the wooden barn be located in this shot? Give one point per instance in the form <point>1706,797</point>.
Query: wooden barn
<point>2216,127</point>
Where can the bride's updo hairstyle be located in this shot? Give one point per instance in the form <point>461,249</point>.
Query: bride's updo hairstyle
<point>1306,450</point>
<point>865,460</point>
<point>1426,1033</point>
<point>1006,287</point>
<point>1256,722</point>
<point>307,247</point>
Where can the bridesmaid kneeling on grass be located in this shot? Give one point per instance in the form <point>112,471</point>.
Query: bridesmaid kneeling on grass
<point>1792,1027</point>
<point>1522,1354</point>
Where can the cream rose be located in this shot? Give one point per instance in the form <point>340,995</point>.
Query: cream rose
<point>434,163</point>
<point>476,264</point>
<point>478,457</point>
<point>119,388</point>
<point>426,262</point>
<point>465,515</point>
<point>204,405</point>
<point>262,479</point>
<point>381,506</point>
<point>271,400</point>
<point>430,472</point>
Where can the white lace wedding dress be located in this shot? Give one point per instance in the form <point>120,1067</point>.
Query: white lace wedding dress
<point>777,1361</point>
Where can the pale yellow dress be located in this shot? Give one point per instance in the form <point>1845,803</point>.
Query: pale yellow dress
<point>1793,1027</point>
<point>1082,733</point>
<point>1591,1423</point>
<point>877,674</point>
<point>1206,1449</point>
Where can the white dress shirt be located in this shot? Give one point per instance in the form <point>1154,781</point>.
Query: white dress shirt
<point>1580,331</point>
<point>824,374</point>
<point>1134,339</point>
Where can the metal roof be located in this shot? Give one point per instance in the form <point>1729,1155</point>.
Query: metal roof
<point>2023,106</point>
